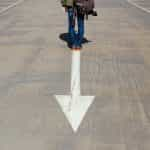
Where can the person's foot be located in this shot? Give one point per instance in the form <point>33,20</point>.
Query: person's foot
<point>73,47</point>
<point>78,47</point>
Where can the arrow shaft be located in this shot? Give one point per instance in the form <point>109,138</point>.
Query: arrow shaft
<point>75,74</point>
<point>75,106</point>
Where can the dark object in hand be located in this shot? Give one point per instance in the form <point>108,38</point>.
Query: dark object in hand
<point>93,13</point>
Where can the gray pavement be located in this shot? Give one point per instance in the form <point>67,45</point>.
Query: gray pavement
<point>35,65</point>
<point>142,3</point>
<point>6,3</point>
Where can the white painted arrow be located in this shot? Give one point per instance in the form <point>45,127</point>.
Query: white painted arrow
<point>74,105</point>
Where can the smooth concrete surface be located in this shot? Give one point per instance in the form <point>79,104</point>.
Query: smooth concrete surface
<point>142,3</point>
<point>6,3</point>
<point>35,64</point>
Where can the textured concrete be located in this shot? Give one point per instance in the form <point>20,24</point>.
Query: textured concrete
<point>35,65</point>
<point>142,3</point>
<point>6,3</point>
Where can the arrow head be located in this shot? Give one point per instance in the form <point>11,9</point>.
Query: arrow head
<point>74,108</point>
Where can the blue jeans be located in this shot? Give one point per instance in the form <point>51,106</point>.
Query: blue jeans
<point>75,38</point>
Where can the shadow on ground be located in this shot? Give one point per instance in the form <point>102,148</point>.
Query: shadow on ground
<point>65,37</point>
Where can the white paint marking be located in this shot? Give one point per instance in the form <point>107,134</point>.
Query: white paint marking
<point>75,106</point>
<point>136,5</point>
<point>75,73</point>
<point>11,6</point>
<point>78,109</point>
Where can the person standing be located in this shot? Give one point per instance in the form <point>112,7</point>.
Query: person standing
<point>76,11</point>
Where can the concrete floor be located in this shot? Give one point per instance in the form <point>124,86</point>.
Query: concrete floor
<point>35,65</point>
<point>142,3</point>
<point>6,3</point>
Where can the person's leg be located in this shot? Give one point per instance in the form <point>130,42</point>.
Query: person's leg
<point>80,35</point>
<point>71,27</point>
